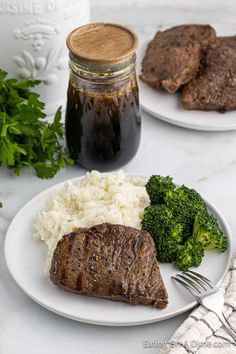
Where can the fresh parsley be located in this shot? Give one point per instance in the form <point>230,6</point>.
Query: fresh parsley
<point>26,139</point>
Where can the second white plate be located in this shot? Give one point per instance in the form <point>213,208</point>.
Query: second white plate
<point>168,107</point>
<point>26,258</point>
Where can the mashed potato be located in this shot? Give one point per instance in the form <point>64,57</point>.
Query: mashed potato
<point>114,198</point>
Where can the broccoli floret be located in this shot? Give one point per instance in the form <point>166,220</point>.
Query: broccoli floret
<point>157,188</point>
<point>167,249</point>
<point>184,204</point>
<point>180,224</point>
<point>158,220</point>
<point>207,231</point>
<point>155,218</point>
<point>189,255</point>
<point>166,232</point>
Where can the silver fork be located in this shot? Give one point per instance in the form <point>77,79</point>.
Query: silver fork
<point>207,294</point>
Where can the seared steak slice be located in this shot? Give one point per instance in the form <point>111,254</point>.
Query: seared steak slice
<point>229,41</point>
<point>111,262</point>
<point>214,88</point>
<point>173,56</point>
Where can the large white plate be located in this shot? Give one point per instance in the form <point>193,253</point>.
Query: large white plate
<point>168,107</point>
<point>26,257</point>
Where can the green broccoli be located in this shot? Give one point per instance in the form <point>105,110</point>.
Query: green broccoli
<point>189,255</point>
<point>206,231</point>
<point>180,224</point>
<point>167,249</point>
<point>166,232</point>
<point>157,188</point>
<point>184,204</point>
<point>206,235</point>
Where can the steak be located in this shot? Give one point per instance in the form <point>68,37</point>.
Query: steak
<point>112,262</point>
<point>173,56</point>
<point>214,88</point>
<point>229,41</point>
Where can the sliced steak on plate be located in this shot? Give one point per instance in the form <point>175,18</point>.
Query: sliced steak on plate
<point>173,56</point>
<point>214,87</point>
<point>229,41</point>
<point>113,262</point>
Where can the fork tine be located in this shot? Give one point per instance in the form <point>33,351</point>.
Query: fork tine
<point>197,280</point>
<point>189,281</point>
<point>185,285</point>
<point>207,281</point>
<point>186,282</point>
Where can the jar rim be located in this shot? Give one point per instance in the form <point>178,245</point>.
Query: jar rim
<point>102,43</point>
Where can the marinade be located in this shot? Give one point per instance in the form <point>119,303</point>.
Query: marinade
<point>103,128</point>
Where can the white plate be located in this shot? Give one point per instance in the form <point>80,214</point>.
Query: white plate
<point>26,257</point>
<point>168,108</point>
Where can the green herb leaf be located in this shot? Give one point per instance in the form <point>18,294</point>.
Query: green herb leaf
<point>26,138</point>
<point>3,74</point>
<point>46,170</point>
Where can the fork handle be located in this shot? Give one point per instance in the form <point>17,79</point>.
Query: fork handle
<point>227,326</point>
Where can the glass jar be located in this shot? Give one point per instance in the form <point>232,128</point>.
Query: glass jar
<point>103,120</point>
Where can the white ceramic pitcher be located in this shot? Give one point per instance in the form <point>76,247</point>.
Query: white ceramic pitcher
<point>33,42</point>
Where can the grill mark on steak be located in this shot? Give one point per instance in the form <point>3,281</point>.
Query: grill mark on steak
<point>113,262</point>
<point>79,282</point>
<point>214,87</point>
<point>173,56</point>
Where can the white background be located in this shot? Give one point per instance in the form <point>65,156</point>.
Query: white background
<point>221,4</point>
<point>168,12</point>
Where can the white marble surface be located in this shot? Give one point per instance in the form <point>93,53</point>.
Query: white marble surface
<point>206,161</point>
<point>153,12</point>
<point>209,4</point>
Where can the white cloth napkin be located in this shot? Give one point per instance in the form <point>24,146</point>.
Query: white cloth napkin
<point>202,332</point>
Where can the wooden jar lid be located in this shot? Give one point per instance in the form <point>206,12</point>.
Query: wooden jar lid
<point>102,43</point>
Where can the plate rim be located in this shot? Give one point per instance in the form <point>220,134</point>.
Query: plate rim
<point>88,320</point>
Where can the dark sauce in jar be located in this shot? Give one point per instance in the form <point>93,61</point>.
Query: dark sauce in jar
<point>103,120</point>
<point>103,128</point>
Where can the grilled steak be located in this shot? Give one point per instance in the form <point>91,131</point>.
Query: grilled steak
<point>173,56</point>
<point>214,87</point>
<point>112,262</point>
<point>229,41</point>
